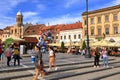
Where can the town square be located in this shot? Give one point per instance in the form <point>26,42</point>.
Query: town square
<point>60,40</point>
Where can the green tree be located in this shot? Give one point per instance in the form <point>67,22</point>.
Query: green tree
<point>7,42</point>
<point>62,46</point>
<point>83,45</point>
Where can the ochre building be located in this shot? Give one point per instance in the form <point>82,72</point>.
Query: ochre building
<point>102,23</point>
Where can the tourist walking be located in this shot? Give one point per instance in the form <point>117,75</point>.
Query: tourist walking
<point>52,57</point>
<point>38,63</point>
<point>1,53</point>
<point>16,55</point>
<point>105,57</point>
<point>96,55</point>
<point>8,54</point>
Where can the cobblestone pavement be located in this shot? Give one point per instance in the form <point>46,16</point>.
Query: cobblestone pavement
<point>71,67</point>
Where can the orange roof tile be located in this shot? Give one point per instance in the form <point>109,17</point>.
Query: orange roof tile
<point>76,25</point>
<point>34,29</point>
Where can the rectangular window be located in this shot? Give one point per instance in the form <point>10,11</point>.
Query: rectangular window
<point>107,30</point>
<point>85,22</point>
<point>106,18</point>
<point>69,37</point>
<point>92,20</point>
<point>79,36</point>
<point>85,32</point>
<point>115,30</point>
<point>115,17</point>
<point>61,37</point>
<point>15,31</point>
<point>99,31</point>
<point>99,19</point>
<point>92,32</point>
<point>64,37</point>
<point>74,36</point>
<point>12,31</point>
<point>56,37</point>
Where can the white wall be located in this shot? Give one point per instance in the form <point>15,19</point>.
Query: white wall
<point>72,33</point>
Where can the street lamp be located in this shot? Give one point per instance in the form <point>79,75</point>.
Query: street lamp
<point>88,48</point>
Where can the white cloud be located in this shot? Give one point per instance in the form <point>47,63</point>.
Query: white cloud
<point>5,7</point>
<point>69,3</point>
<point>29,14</point>
<point>6,21</point>
<point>110,3</point>
<point>8,5</point>
<point>65,19</point>
<point>114,2</point>
<point>41,7</point>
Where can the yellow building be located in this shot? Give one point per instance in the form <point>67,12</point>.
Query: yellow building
<point>15,31</point>
<point>103,22</point>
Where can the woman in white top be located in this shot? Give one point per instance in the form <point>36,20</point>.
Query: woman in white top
<point>51,58</point>
<point>105,57</point>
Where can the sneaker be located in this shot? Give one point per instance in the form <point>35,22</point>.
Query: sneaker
<point>94,66</point>
<point>107,66</point>
<point>98,66</point>
<point>39,77</point>
<point>56,68</point>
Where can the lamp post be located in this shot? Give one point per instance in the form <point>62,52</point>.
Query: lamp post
<point>88,48</point>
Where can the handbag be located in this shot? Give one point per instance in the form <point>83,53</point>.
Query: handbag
<point>8,54</point>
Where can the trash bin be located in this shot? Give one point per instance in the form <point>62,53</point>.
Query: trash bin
<point>32,59</point>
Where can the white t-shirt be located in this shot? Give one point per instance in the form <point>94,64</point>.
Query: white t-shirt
<point>104,53</point>
<point>51,53</point>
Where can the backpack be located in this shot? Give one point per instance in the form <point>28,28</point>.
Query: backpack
<point>8,54</point>
<point>16,51</point>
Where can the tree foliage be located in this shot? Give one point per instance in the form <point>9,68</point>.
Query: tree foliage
<point>83,45</point>
<point>62,46</point>
<point>7,42</point>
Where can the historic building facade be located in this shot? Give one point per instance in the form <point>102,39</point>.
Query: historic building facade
<point>15,31</point>
<point>102,23</point>
<point>71,33</point>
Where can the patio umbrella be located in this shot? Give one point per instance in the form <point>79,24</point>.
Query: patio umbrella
<point>103,42</point>
<point>117,44</point>
<point>54,44</point>
<point>17,39</point>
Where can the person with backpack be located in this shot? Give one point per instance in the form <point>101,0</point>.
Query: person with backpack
<point>16,54</point>
<point>8,54</point>
<point>52,57</point>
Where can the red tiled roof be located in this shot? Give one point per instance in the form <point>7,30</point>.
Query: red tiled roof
<point>34,29</point>
<point>76,25</point>
<point>8,28</point>
<point>31,39</point>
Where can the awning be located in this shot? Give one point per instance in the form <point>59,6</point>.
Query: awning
<point>31,39</point>
<point>54,44</point>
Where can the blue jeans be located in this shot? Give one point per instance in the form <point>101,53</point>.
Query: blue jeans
<point>105,61</point>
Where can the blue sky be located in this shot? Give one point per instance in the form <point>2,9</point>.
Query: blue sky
<point>48,11</point>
